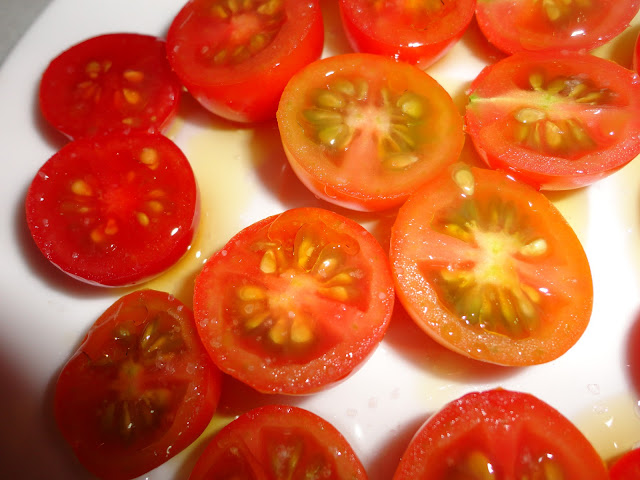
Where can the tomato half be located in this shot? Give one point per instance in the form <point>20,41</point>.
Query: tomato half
<point>363,131</point>
<point>236,57</point>
<point>499,434</point>
<point>112,82</point>
<point>139,389</point>
<point>294,302</point>
<point>489,268</point>
<point>115,209</point>
<point>553,25</point>
<point>410,31</point>
<point>626,467</point>
<point>556,121</point>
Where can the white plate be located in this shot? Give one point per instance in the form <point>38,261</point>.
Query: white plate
<point>244,176</point>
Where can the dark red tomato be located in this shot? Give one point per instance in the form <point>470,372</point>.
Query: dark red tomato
<point>489,268</point>
<point>410,31</point>
<point>278,442</point>
<point>115,209</point>
<point>110,83</point>
<point>235,57</point>
<point>556,121</point>
<point>294,302</point>
<point>499,434</point>
<point>553,25</point>
<point>363,131</point>
<point>626,467</point>
<point>139,389</point>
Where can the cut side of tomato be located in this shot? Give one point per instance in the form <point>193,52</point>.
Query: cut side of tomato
<point>139,389</point>
<point>626,467</point>
<point>363,131</point>
<point>489,268</point>
<point>294,302</point>
<point>278,442</point>
<point>236,57</point>
<point>115,82</point>
<point>115,209</point>
<point>556,121</point>
<point>499,434</point>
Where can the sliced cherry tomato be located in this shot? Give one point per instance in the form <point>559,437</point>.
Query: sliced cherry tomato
<point>553,25</point>
<point>626,467</point>
<point>279,442</point>
<point>235,57</point>
<point>363,131</point>
<point>110,83</point>
<point>489,268</point>
<point>139,389</point>
<point>499,434</point>
<point>556,121</point>
<point>294,302</point>
<point>410,31</point>
<point>115,209</point>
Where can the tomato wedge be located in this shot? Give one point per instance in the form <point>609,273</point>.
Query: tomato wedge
<point>556,121</point>
<point>363,131</point>
<point>489,268</point>
<point>499,434</point>
<point>115,209</point>
<point>139,389</point>
<point>626,467</point>
<point>235,57</point>
<point>294,302</point>
<point>110,83</point>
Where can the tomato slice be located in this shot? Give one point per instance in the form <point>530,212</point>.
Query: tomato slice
<point>110,83</point>
<point>115,209</point>
<point>294,302</point>
<point>410,31</point>
<point>235,57</point>
<point>489,268</point>
<point>556,121</point>
<point>139,389</point>
<point>363,131</point>
<point>553,25</point>
<point>626,467</point>
<point>499,434</point>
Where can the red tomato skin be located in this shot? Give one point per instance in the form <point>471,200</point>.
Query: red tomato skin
<point>250,92</point>
<point>626,467</point>
<point>636,54</point>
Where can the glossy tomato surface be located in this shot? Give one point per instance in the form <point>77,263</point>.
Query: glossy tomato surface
<point>626,467</point>
<point>499,434</point>
<point>414,32</point>
<point>110,83</point>
<point>236,57</point>
<point>279,442</point>
<point>556,121</point>
<point>489,268</point>
<point>363,131</point>
<point>294,302</point>
<point>115,209</point>
<point>553,25</point>
<point>139,389</point>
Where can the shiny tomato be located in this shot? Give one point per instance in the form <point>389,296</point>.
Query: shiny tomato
<point>556,121</point>
<point>114,209</point>
<point>139,389</point>
<point>294,302</point>
<point>626,467</point>
<point>279,442</point>
<point>363,131</point>
<point>236,57</point>
<point>112,82</point>
<point>553,25</point>
<point>410,31</point>
<point>499,434</point>
<point>489,268</point>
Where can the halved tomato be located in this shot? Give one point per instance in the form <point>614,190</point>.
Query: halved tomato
<point>115,209</point>
<point>110,83</point>
<point>489,268</point>
<point>555,120</point>
<point>235,57</point>
<point>294,302</point>
<point>499,434</point>
<point>363,131</point>
<point>139,389</point>
<point>626,467</point>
